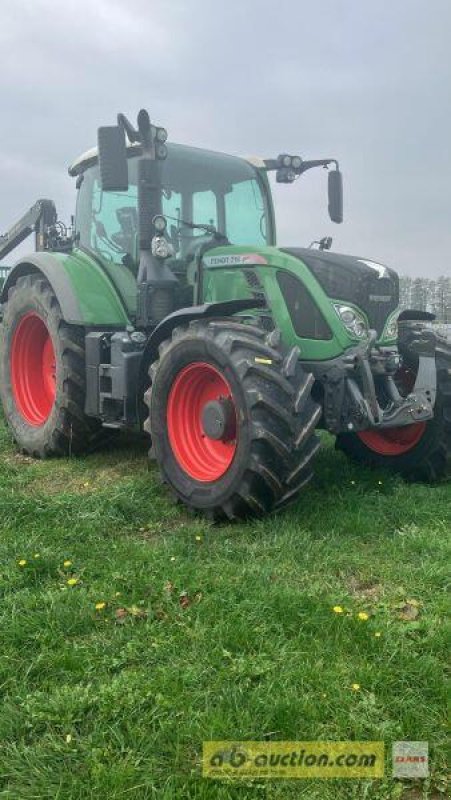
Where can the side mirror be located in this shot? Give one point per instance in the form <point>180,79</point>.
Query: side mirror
<point>112,159</point>
<point>335,194</point>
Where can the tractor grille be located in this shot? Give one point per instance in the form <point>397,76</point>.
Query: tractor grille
<point>381,299</point>
<point>351,279</point>
<point>306,318</point>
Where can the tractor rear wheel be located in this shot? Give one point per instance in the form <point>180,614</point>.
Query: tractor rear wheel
<point>231,419</point>
<point>42,373</point>
<point>418,452</point>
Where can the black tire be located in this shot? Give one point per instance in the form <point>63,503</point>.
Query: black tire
<point>275,416</point>
<point>67,429</point>
<point>429,460</point>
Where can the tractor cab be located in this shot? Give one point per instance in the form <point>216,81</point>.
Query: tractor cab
<point>198,187</point>
<point>201,198</point>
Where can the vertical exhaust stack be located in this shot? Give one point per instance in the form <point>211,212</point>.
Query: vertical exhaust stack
<point>156,282</point>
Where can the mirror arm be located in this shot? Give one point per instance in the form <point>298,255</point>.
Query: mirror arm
<point>132,134</point>
<point>318,162</point>
<point>272,164</point>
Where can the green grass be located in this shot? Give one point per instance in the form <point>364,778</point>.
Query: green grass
<point>93,707</point>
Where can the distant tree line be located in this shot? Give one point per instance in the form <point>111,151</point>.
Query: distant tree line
<point>427,294</point>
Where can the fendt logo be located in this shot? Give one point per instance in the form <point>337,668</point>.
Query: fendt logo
<point>234,260</point>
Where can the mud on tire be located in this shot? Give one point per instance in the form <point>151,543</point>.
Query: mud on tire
<point>275,418</point>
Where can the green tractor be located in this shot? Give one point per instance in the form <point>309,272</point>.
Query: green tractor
<point>168,308</point>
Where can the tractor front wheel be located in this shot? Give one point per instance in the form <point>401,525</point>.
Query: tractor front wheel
<point>231,419</point>
<point>42,373</point>
<point>418,452</point>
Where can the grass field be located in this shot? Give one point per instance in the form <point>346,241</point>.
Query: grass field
<point>207,632</point>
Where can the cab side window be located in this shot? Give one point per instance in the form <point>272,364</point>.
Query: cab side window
<point>171,206</point>
<point>245,214</point>
<point>114,223</point>
<point>205,209</point>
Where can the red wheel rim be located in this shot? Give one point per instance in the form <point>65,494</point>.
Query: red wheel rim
<point>201,457</point>
<point>33,369</point>
<point>395,441</point>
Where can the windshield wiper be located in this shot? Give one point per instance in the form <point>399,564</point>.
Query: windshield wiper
<point>196,225</point>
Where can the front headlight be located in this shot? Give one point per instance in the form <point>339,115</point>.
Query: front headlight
<point>391,327</point>
<point>353,321</point>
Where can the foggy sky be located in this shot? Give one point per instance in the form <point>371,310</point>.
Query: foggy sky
<point>368,83</point>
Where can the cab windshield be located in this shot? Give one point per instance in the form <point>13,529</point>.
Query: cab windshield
<point>198,186</point>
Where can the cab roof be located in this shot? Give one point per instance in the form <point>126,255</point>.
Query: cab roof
<point>90,157</point>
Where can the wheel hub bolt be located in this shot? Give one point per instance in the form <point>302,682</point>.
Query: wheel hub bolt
<point>218,419</point>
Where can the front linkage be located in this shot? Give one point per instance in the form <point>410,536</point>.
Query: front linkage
<point>411,431</point>
<point>361,389</point>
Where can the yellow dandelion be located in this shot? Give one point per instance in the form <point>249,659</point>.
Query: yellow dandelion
<point>37,555</point>
<point>67,563</point>
<point>86,484</point>
<point>378,634</point>
<point>100,606</point>
<point>72,581</point>
<point>22,562</point>
<point>363,616</point>
<point>355,687</point>
<point>172,558</point>
<point>337,610</point>
<point>198,538</point>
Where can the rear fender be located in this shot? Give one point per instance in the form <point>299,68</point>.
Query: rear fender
<point>84,291</point>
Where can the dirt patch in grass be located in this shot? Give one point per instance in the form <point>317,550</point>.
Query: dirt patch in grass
<point>364,589</point>
<point>18,460</point>
<point>57,483</point>
<point>76,476</point>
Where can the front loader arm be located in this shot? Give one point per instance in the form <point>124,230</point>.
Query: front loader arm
<point>38,220</point>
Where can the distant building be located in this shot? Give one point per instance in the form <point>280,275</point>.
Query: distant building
<point>426,294</point>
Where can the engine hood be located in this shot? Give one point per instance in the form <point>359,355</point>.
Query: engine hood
<point>371,286</point>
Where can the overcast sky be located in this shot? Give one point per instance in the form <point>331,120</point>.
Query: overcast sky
<point>366,82</point>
